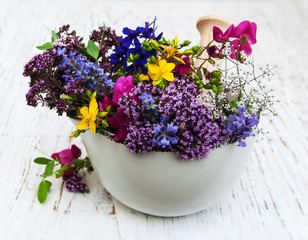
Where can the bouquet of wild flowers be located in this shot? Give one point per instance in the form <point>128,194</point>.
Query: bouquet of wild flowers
<point>145,91</point>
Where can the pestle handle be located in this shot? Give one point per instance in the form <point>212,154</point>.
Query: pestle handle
<point>205,27</point>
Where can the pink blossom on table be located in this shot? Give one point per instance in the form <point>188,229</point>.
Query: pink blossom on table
<point>106,103</point>
<point>246,31</point>
<point>182,69</point>
<point>119,122</point>
<point>67,156</point>
<point>123,85</point>
<point>219,36</point>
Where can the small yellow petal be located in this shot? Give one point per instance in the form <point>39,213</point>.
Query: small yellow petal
<point>170,66</point>
<point>153,68</point>
<point>179,59</point>
<point>154,71</point>
<point>168,76</point>
<point>164,47</point>
<point>94,115</point>
<point>175,40</point>
<point>84,111</point>
<point>162,63</point>
<point>157,81</point>
<point>143,77</point>
<point>108,109</point>
<point>103,114</point>
<point>188,52</point>
<point>83,124</point>
<point>93,106</point>
<point>92,126</point>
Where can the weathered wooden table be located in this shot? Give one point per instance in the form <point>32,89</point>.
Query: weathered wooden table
<point>269,202</point>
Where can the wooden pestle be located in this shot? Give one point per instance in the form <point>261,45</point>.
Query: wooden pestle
<point>205,26</point>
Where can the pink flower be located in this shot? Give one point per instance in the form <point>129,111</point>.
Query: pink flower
<point>219,36</point>
<point>119,122</point>
<point>236,47</point>
<point>123,85</point>
<point>106,103</point>
<point>182,69</point>
<point>67,156</point>
<point>211,51</point>
<point>246,31</point>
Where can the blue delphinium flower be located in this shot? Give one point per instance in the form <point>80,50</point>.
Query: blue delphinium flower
<point>147,98</point>
<point>150,107</point>
<point>131,44</point>
<point>77,68</point>
<point>240,127</point>
<point>165,133</point>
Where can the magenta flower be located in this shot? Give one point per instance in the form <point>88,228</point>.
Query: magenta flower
<point>219,36</point>
<point>246,31</point>
<point>182,69</point>
<point>67,156</point>
<point>119,122</point>
<point>236,48</point>
<point>211,51</point>
<point>106,103</point>
<point>123,85</point>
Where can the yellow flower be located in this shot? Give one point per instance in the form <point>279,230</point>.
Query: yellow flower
<point>143,77</point>
<point>88,116</point>
<point>160,72</point>
<point>172,52</point>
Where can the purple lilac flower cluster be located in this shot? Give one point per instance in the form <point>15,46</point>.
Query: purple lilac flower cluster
<point>107,39</point>
<point>240,127</point>
<point>46,84</point>
<point>68,39</point>
<point>185,126</point>
<point>76,184</point>
<point>198,131</point>
<point>142,111</point>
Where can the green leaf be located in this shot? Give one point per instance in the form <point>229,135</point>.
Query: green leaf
<point>205,71</point>
<point>45,46</point>
<point>67,97</point>
<point>83,52</point>
<point>49,168</point>
<point>104,123</point>
<point>92,49</point>
<point>89,93</point>
<point>54,36</point>
<point>211,61</point>
<point>78,163</point>
<point>120,74</point>
<point>59,172</point>
<point>75,133</point>
<point>216,74</point>
<point>195,49</point>
<point>214,88</point>
<point>199,73</point>
<point>42,161</point>
<point>48,184</point>
<point>233,103</point>
<point>43,190</point>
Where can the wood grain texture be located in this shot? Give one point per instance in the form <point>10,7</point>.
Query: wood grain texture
<point>269,201</point>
